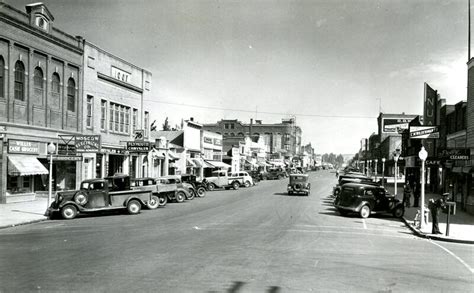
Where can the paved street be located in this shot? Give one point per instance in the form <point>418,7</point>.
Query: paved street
<point>249,240</point>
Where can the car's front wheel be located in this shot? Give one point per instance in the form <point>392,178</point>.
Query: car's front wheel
<point>191,195</point>
<point>247,184</point>
<point>153,203</point>
<point>201,191</point>
<point>211,187</point>
<point>134,207</point>
<point>180,196</point>
<point>365,212</point>
<point>398,212</point>
<point>69,212</point>
<point>163,200</point>
<point>235,185</point>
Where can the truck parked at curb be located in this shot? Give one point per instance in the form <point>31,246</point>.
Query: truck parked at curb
<point>97,195</point>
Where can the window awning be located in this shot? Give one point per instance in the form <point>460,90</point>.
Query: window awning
<point>277,163</point>
<point>467,169</point>
<point>190,163</point>
<point>25,166</point>
<point>263,164</point>
<point>157,154</point>
<point>218,164</point>
<point>201,163</point>
<point>172,155</point>
<point>247,162</point>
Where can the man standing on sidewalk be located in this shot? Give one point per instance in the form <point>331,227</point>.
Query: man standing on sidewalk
<point>416,195</point>
<point>406,195</point>
<point>435,206</point>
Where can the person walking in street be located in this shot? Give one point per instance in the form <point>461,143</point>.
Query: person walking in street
<point>406,195</point>
<point>416,195</point>
<point>435,206</point>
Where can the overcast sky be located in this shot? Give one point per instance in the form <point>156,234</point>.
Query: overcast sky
<point>322,61</point>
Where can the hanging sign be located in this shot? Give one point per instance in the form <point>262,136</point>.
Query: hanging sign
<point>424,132</point>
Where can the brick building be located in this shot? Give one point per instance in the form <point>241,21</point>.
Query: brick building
<point>40,90</point>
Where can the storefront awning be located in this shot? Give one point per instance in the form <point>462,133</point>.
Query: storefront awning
<point>190,163</point>
<point>201,163</point>
<point>157,154</point>
<point>25,166</point>
<point>172,155</point>
<point>247,162</point>
<point>218,164</point>
<point>264,164</point>
<point>277,163</point>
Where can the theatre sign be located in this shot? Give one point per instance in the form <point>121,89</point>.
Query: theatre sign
<point>424,132</point>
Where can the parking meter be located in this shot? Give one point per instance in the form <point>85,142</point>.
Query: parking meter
<point>450,205</point>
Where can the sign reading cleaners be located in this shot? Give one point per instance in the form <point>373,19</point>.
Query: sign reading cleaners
<point>23,147</point>
<point>87,143</point>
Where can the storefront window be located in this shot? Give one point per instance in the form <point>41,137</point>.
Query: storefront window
<point>19,184</point>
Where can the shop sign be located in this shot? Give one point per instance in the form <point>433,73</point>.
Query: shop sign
<point>138,146</point>
<point>22,147</point>
<point>207,139</point>
<point>217,141</point>
<point>139,134</point>
<point>66,149</point>
<point>87,143</point>
<point>432,162</point>
<point>455,154</point>
<point>424,132</point>
<point>114,151</point>
<point>395,125</point>
<point>66,158</point>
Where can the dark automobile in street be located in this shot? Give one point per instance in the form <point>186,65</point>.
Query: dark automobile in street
<point>337,188</point>
<point>173,189</point>
<point>299,184</point>
<point>148,183</point>
<point>275,174</point>
<point>200,187</point>
<point>365,199</point>
<point>98,195</point>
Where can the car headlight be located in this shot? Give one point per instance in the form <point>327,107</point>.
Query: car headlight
<point>289,187</point>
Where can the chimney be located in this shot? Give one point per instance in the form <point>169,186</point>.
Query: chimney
<point>250,127</point>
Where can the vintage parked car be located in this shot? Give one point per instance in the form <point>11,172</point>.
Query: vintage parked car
<point>99,195</point>
<point>243,177</point>
<point>256,176</point>
<point>148,183</point>
<point>299,184</point>
<point>365,199</point>
<point>172,188</point>
<point>221,179</point>
<point>337,188</point>
<point>199,186</point>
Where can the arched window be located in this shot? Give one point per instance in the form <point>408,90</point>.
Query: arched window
<point>19,81</point>
<point>2,83</point>
<point>241,134</point>
<point>71,95</point>
<point>55,87</point>
<point>232,134</point>
<point>38,78</point>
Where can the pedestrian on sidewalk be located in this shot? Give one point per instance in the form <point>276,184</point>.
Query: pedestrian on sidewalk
<point>416,195</point>
<point>406,195</point>
<point>435,206</point>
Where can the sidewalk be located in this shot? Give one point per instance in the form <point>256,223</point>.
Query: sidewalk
<point>14,214</point>
<point>461,227</point>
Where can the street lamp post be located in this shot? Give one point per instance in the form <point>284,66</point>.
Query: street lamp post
<point>396,155</point>
<point>370,168</point>
<point>383,172</point>
<point>423,154</point>
<point>376,167</point>
<point>51,150</point>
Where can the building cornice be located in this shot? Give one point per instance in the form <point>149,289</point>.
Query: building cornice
<point>119,82</point>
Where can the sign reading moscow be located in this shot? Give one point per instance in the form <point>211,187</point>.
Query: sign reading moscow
<point>87,143</point>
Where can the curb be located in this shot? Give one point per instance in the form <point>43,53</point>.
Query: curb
<point>432,237</point>
<point>23,223</point>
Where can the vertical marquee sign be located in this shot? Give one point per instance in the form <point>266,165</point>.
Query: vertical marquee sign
<point>430,111</point>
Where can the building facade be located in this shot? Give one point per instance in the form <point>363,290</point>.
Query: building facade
<point>40,89</point>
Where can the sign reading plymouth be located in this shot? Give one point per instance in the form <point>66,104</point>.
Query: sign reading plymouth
<point>455,154</point>
<point>87,143</point>
<point>423,132</point>
<point>138,146</point>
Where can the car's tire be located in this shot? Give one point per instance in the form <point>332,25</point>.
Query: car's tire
<point>211,187</point>
<point>163,200</point>
<point>364,211</point>
<point>180,196</point>
<point>201,192</point>
<point>247,183</point>
<point>191,195</point>
<point>68,212</point>
<point>80,198</point>
<point>398,212</point>
<point>235,185</point>
<point>134,207</point>
<point>154,203</point>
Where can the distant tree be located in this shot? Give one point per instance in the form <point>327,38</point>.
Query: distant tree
<point>166,125</point>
